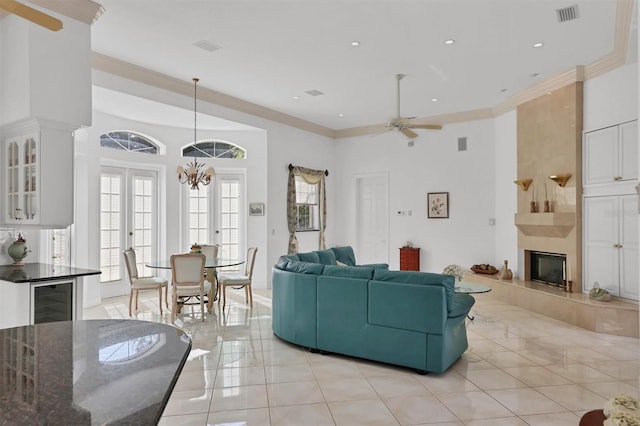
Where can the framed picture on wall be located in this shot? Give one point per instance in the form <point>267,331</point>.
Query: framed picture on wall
<point>256,209</point>
<point>438,205</point>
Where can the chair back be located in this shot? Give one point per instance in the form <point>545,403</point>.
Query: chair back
<point>187,269</point>
<point>210,251</point>
<point>130,262</point>
<point>251,257</point>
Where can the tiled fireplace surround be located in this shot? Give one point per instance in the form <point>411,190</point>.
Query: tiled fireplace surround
<point>549,136</point>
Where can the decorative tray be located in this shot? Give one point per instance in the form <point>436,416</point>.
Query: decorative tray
<point>478,270</point>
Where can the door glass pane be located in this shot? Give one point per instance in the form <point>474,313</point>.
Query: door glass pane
<point>110,219</point>
<point>198,217</point>
<point>230,219</point>
<point>143,229</point>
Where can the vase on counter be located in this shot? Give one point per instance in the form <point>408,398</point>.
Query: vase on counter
<point>18,250</point>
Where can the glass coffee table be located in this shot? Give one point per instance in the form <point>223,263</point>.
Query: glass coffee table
<point>465,287</point>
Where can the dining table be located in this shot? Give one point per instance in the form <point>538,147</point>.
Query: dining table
<point>211,266</point>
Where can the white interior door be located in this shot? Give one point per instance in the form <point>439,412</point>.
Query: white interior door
<point>601,257</point>
<point>372,218</point>
<point>128,218</point>
<point>629,250</point>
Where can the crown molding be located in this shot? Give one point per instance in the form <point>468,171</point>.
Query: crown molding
<point>129,71</point>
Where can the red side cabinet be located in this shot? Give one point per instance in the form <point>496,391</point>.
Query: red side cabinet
<point>409,259</point>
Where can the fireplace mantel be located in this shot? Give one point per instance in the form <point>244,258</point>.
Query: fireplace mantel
<point>555,225</point>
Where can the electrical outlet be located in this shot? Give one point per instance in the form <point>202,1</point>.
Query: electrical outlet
<point>492,221</point>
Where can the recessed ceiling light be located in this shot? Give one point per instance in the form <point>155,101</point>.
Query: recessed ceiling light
<point>340,115</point>
<point>355,43</point>
<point>539,44</point>
<point>449,42</point>
<point>503,90</point>
<point>535,74</point>
<point>296,97</point>
<point>434,99</point>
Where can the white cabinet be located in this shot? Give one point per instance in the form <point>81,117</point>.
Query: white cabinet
<point>611,244</point>
<point>38,184</point>
<point>611,154</point>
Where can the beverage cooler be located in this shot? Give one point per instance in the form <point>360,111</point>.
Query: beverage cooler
<point>52,302</point>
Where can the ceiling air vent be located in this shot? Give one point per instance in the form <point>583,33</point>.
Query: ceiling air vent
<point>206,45</point>
<point>314,92</point>
<point>567,14</point>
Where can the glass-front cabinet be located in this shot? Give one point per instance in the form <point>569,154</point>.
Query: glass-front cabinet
<point>22,182</point>
<point>37,182</point>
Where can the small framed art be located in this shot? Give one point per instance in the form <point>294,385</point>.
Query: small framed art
<point>256,209</point>
<point>438,205</point>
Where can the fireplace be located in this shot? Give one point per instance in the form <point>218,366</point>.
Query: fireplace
<point>548,268</point>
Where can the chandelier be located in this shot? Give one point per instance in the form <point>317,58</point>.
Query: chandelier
<point>194,173</point>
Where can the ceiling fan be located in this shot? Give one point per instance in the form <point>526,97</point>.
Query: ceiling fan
<point>405,124</point>
<point>31,14</point>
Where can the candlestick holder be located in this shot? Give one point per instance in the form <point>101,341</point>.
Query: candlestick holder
<point>570,285</point>
<point>546,208</point>
<point>564,285</point>
<point>532,207</point>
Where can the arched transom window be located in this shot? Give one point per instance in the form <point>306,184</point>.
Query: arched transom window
<point>214,149</point>
<point>128,141</point>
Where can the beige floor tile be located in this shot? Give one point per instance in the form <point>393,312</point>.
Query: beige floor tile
<point>199,419</point>
<point>239,376</point>
<point>196,380</point>
<point>526,401</point>
<point>493,379</point>
<point>367,413</point>
<point>618,369</point>
<point>246,359</point>
<point>294,393</point>
<point>239,398</point>
<point>503,421</point>
<point>299,415</point>
<point>573,397</point>
<point>580,373</point>
<point>391,387</point>
<point>473,406</point>
<point>447,382</point>
<point>413,410</point>
<point>559,419</point>
<point>284,357</point>
<point>335,370</point>
<point>288,373</point>
<point>252,417</point>
<point>353,389</point>
<point>609,389</point>
<point>241,346</point>
<point>536,376</point>
<point>508,359</point>
<point>586,355</point>
<point>188,402</point>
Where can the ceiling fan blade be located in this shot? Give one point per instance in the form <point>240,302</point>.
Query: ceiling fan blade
<point>409,133</point>
<point>31,14</point>
<point>426,126</point>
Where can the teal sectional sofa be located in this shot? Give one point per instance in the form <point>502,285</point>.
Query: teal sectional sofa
<point>411,319</point>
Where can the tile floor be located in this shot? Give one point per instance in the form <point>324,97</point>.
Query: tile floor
<point>521,369</point>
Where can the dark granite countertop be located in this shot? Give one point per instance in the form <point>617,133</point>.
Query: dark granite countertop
<point>93,372</point>
<point>37,272</point>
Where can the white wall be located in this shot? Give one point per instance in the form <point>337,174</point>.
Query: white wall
<point>611,98</point>
<point>433,164</point>
<point>506,168</point>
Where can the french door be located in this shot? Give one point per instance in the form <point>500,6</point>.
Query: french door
<point>216,216</point>
<point>128,218</point>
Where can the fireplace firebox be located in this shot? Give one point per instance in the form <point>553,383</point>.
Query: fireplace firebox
<point>547,268</point>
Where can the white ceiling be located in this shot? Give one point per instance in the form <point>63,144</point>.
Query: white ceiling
<point>273,50</point>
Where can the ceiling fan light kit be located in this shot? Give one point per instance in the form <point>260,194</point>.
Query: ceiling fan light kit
<point>405,125</point>
<point>31,14</point>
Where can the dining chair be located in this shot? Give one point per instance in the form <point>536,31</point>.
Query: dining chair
<point>210,252</point>
<point>137,283</point>
<point>239,280</point>
<point>187,280</point>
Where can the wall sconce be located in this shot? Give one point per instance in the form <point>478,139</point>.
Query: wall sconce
<point>523,183</point>
<point>561,180</point>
